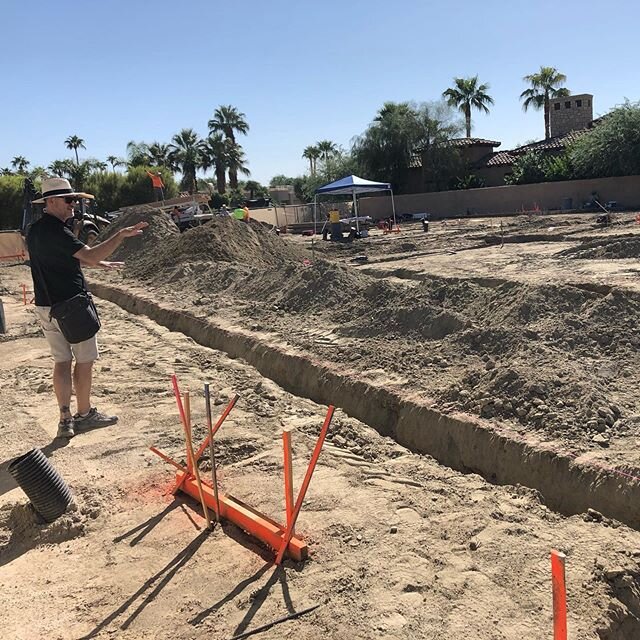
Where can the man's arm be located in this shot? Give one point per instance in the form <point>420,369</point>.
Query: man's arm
<point>92,256</point>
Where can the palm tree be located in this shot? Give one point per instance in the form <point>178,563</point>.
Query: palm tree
<point>237,163</point>
<point>37,173</point>
<point>467,94</point>
<point>228,120</point>
<point>138,153</point>
<point>311,154</point>
<point>75,143</point>
<point>253,187</point>
<point>61,167</point>
<point>186,152</point>
<point>20,164</point>
<point>326,148</point>
<point>214,154</point>
<point>114,161</point>
<point>544,87</point>
<point>160,154</point>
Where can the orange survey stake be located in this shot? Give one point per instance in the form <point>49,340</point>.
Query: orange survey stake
<point>291,523</point>
<point>559,595</point>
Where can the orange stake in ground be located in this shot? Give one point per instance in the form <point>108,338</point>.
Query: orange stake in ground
<point>305,485</point>
<point>559,595</point>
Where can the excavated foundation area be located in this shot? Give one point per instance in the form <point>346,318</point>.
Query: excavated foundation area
<point>568,484</point>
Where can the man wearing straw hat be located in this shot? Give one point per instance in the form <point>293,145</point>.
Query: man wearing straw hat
<point>56,257</point>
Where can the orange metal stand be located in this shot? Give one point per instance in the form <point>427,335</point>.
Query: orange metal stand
<point>279,537</point>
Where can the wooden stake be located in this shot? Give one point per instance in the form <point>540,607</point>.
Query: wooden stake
<point>559,595</point>
<point>190,454</point>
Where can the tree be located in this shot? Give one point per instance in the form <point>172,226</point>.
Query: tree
<point>281,180</point>
<point>186,153</point>
<point>160,155</point>
<point>326,148</point>
<point>528,168</point>
<point>11,187</point>
<point>467,94</point>
<point>214,154</point>
<point>38,173</point>
<point>237,162</point>
<point>612,148</point>
<point>399,131</point>
<point>255,189</point>
<point>138,154</point>
<point>61,168</point>
<point>114,161</point>
<point>545,85</point>
<point>228,120</point>
<point>136,187</point>
<point>311,154</point>
<point>20,164</point>
<point>75,143</point>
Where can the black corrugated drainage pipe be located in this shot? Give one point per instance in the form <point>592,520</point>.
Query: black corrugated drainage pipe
<point>44,486</point>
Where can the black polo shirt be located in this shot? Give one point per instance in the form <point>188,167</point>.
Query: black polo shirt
<point>51,247</point>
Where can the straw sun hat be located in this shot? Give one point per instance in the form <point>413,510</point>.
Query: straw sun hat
<point>59,188</point>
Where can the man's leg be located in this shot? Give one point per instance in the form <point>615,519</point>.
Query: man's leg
<point>82,378</point>
<point>88,417</point>
<point>62,387</point>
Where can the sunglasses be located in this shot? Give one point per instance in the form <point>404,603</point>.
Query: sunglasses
<point>70,199</point>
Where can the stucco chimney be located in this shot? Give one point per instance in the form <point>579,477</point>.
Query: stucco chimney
<point>570,114</point>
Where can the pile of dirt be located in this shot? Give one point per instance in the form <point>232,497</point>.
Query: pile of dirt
<point>223,240</point>
<point>519,352</point>
<point>160,229</point>
<point>614,248</point>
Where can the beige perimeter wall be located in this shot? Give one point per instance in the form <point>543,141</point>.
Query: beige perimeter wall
<point>11,245</point>
<point>509,199</point>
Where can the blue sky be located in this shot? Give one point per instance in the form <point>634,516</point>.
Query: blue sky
<point>115,71</point>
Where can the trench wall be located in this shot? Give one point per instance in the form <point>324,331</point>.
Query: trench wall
<point>460,442</point>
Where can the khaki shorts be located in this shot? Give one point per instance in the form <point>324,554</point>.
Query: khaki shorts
<point>61,350</point>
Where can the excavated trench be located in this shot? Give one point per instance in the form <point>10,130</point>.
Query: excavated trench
<point>460,442</point>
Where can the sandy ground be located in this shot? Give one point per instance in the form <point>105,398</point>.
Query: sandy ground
<point>401,547</point>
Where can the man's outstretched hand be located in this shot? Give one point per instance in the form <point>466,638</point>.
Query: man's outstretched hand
<point>135,230</point>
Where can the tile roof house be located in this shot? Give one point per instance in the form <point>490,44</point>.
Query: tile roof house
<point>570,118</point>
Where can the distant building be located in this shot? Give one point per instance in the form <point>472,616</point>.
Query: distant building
<point>283,194</point>
<point>569,118</point>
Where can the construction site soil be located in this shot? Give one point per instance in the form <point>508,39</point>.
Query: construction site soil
<point>521,326</point>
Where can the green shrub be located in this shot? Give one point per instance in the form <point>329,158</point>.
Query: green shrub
<point>10,202</point>
<point>137,188</point>
<point>612,148</point>
<point>528,168</point>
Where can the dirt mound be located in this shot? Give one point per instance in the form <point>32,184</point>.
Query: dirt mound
<point>615,248</point>
<point>220,240</point>
<point>160,228</point>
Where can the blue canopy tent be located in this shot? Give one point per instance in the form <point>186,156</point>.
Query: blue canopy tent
<point>353,185</point>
